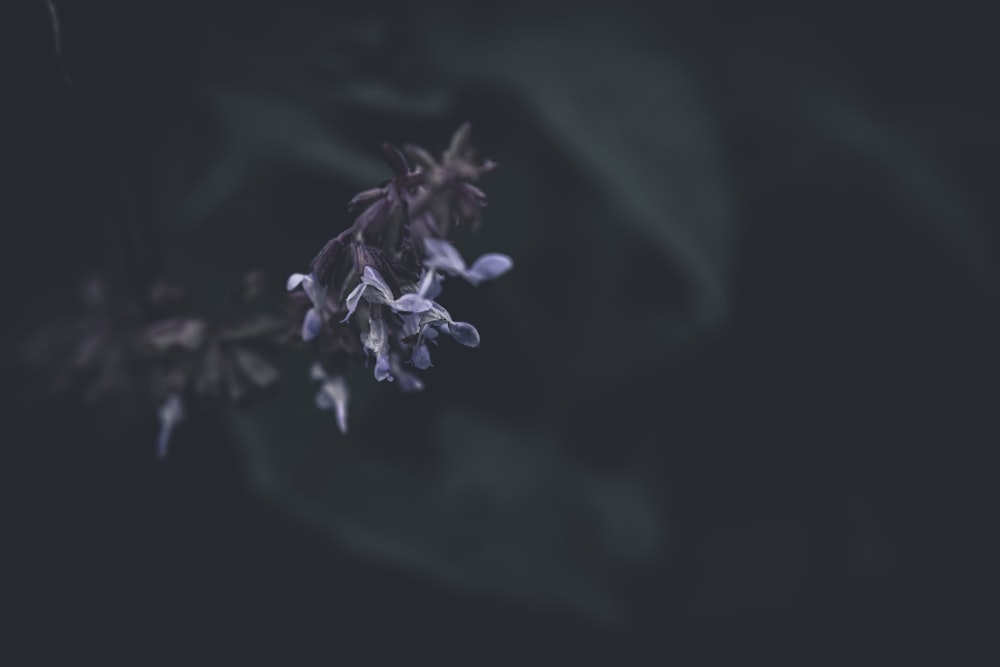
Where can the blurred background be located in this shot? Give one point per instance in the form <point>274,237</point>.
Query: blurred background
<point>737,397</point>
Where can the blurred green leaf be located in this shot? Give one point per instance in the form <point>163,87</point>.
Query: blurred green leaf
<point>263,134</point>
<point>630,118</point>
<point>502,514</point>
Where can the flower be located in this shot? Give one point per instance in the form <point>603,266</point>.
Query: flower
<point>389,265</point>
<point>171,413</point>
<point>376,341</point>
<point>421,356</point>
<point>375,290</point>
<point>313,322</point>
<point>332,394</point>
<point>443,256</point>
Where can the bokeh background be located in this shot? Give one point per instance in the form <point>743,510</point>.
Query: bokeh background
<point>738,396</point>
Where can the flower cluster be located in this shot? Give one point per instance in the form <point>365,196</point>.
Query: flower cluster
<point>154,345</point>
<point>371,297</point>
<point>372,291</point>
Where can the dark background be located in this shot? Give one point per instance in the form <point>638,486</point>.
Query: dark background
<point>737,398</point>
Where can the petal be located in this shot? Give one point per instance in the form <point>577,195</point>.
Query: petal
<point>411,303</point>
<point>430,285</point>
<point>373,278</point>
<point>312,325</point>
<point>377,339</point>
<point>188,333</point>
<point>353,299</point>
<point>382,368</point>
<point>316,371</point>
<point>316,292</point>
<point>333,395</point>
<point>411,324</point>
<point>408,382</point>
<point>464,333</point>
<point>421,357</point>
<point>294,280</point>
<point>442,255</point>
<point>170,413</point>
<point>487,267</point>
<point>255,367</point>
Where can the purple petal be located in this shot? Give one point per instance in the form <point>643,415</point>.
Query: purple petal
<point>411,303</point>
<point>353,299</point>
<point>442,255</point>
<point>487,267</point>
<point>411,324</point>
<point>430,285</point>
<point>374,279</point>
<point>376,339</point>
<point>312,325</point>
<point>294,281</point>
<point>464,333</point>
<point>382,368</point>
<point>316,292</point>
<point>421,357</point>
<point>333,395</point>
<point>170,413</point>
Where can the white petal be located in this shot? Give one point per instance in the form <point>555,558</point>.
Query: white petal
<point>294,280</point>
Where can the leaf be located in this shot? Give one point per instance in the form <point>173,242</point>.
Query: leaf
<point>632,119</point>
<point>503,514</point>
<point>263,134</point>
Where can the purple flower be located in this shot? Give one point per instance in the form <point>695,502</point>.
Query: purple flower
<point>421,357</point>
<point>313,322</point>
<point>443,256</point>
<point>374,289</point>
<point>389,264</point>
<point>376,341</point>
